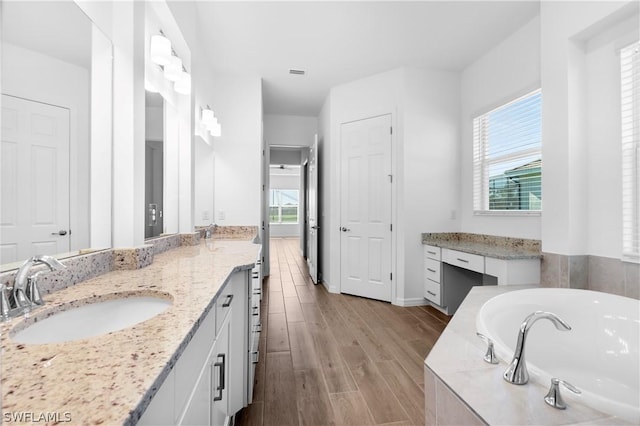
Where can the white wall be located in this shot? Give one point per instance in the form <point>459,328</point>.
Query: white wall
<point>507,71</point>
<point>373,96</point>
<point>153,123</point>
<point>603,130</point>
<point>34,76</point>
<point>324,192</point>
<point>428,177</point>
<point>289,130</point>
<point>204,183</point>
<point>424,106</point>
<point>238,151</point>
<point>566,148</point>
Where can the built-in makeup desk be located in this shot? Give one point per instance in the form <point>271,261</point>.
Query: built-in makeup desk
<point>454,262</point>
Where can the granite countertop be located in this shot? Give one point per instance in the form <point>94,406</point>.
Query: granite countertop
<point>110,379</point>
<point>485,245</point>
<point>457,360</point>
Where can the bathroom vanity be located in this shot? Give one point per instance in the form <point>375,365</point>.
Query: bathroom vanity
<point>456,262</point>
<point>189,364</point>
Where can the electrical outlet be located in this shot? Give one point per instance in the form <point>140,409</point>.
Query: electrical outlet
<point>221,215</point>
<point>205,215</point>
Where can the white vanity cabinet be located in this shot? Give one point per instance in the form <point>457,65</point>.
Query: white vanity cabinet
<point>432,274</point>
<point>208,383</point>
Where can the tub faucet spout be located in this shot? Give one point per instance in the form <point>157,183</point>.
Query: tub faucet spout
<point>517,373</point>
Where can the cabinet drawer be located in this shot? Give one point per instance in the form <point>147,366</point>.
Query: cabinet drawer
<point>432,291</point>
<point>432,270</point>
<point>464,260</point>
<point>432,252</point>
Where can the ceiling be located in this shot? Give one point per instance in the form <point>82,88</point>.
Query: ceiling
<point>339,42</point>
<point>57,29</point>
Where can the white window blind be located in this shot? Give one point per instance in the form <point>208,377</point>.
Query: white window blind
<point>507,157</point>
<point>630,96</point>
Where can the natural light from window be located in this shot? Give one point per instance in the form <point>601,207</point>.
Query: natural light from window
<point>507,157</point>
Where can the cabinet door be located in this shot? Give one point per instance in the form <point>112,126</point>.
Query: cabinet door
<point>197,411</point>
<point>219,373</point>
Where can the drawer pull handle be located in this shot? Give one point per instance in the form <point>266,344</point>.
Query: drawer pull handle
<point>432,252</point>
<point>431,270</point>
<point>227,303</point>
<point>463,260</point>
<point>255,275</point>
<point>257,292</point>
<point>257,357</point>
<point>431,293</point>
<point>220,388</point>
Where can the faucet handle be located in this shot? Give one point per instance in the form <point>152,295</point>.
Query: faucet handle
<point>553,397</point>
<point>490,355</point>
<point>5,307</point>
<point>33,291</point>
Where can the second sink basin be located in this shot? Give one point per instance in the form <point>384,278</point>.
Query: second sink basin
<point>90,319</point>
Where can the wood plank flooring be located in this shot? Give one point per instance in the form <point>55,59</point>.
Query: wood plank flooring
<point>333,359</point>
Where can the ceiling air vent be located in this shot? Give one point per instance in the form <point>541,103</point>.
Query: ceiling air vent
<point>297,72</point>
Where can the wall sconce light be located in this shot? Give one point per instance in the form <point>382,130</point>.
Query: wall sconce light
<point>183,84</point>
<point>210,122</point>
<point>173,69</point>
<point>162,54</point>
<point>160,49</point>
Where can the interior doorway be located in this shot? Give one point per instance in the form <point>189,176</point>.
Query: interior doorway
<point>291,192</point>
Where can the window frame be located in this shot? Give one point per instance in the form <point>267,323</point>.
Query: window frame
<point>630,145</point>
<point>280,206</point>
<point>481,164</point>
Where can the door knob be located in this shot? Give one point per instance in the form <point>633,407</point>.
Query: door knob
<point>60,232</point>
<point>344,229</point>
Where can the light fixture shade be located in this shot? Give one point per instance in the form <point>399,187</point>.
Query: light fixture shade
<point>150,87</point>
<point>183,85</point>
<point>207,117</point>
<point>216,131</point>
<point>160,51</point>
<point>173,70</point>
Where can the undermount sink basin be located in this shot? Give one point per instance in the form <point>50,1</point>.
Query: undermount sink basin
<point>90,318</point>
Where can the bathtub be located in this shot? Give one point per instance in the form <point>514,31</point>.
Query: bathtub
<point>599,355</point>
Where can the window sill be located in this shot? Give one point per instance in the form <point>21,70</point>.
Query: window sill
<point>516,213</point>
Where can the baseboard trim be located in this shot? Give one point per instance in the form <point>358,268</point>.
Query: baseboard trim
<point>414,301</point>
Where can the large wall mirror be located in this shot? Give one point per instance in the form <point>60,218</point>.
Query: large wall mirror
<point>56,119</point>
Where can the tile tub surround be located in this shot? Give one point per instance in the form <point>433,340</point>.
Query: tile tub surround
<point>463,389</point>
<point>485,245</point>
<point>110,379</point>
<point>589,272</point>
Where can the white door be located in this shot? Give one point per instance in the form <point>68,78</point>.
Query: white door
<point>365,210</point>
<point>312,212</point>
<point>34,216</point>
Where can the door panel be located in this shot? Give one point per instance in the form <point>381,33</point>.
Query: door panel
<point>366,208</point>
<point>312,212</point>
<point>35,179</point>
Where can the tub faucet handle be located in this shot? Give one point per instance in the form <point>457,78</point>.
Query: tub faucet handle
<point>490,355</point>
<point>553,397</point>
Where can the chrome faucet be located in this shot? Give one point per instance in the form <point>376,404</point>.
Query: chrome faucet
<point>517,372</point>
<point>25,293</point>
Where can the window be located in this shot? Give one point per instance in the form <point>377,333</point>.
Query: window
<point>283,206</point>
<point>630,96</point>
<point>507,157</point>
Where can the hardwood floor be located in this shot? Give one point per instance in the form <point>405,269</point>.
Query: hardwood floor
<point>333,359</point>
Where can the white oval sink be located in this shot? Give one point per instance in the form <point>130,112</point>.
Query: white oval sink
<point>90,319</point>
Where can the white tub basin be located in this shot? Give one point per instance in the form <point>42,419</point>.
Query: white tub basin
<point>599,355</point>
<point>94,318</point>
